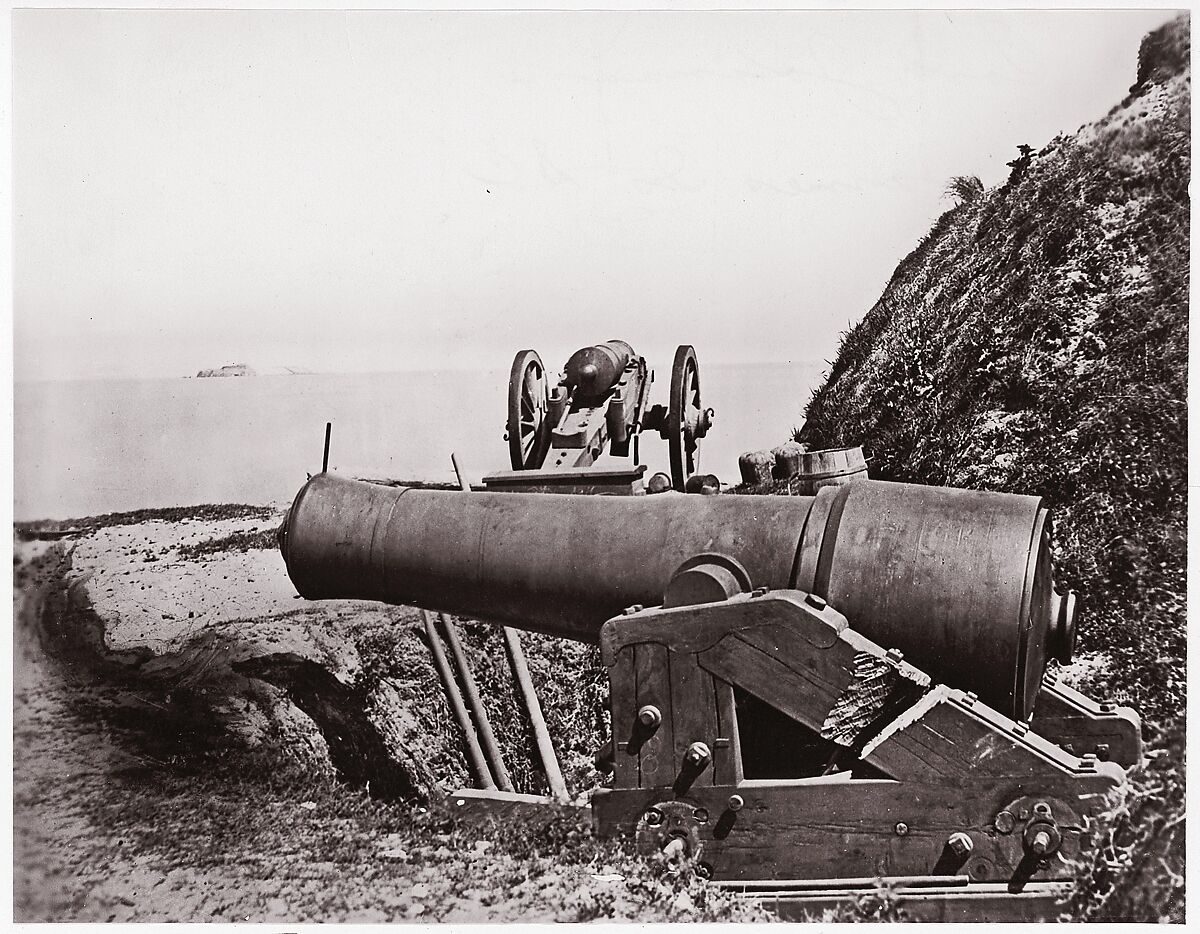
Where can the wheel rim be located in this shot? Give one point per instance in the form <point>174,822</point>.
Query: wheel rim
<point>683,416</point>
<point>528,399</point>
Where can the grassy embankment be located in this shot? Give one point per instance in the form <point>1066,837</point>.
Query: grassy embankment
<point>1036,341</point>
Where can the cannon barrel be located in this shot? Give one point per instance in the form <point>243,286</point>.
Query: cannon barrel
<point>594,370</point>
<point>960,581</point>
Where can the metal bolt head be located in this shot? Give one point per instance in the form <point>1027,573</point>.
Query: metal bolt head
<point>650,716</point>
<point>1040,843</point>
<point>701,814</point>
<point>630,610</point>
<point>961,844</point>
<point>1005,822</point>
<point>759,592</point>
<point>736,802</point>
<point>653,817</point>
<point>698,755</point>
<point>901,829</point>
<point>815,601</point>
<point>1041,809</point>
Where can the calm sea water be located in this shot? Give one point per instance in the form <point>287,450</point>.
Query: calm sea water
<point>88,447</point>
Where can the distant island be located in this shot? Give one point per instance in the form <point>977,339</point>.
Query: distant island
<point>234,369</point>
<point>242,369</point>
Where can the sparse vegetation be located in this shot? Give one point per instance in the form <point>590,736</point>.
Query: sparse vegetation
<point>236,541</point>
<point>1036,342</point>
<point>966,188</point>
<point>209,512</point>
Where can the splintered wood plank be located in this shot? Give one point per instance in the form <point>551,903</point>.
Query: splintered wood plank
<point>623,710</point>
<point>752,668</point>
<point>694,701</point>
<point>829,670</point>
<point>655,749</point>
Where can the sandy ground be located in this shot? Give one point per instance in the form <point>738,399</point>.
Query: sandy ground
<point>110,826</point>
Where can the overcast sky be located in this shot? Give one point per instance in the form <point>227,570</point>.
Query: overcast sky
<point>382,191</point>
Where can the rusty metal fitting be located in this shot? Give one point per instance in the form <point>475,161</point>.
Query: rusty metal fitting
<point>1021,727</point>
<point>630,610</point>
<point>653,817</point>
<point>895,656</point>
<point>1107,707</point>
<point>901,829</point>
<point>1042,809</point>
<point>1042,839</point>
<point>1005,822</point>
<point>650,717</point>
<point>736,802</point>
<point>961,844</point>
<point>759,592</point>
<point>698,755</point>
<point>701,815</point>
<point>815,601</point>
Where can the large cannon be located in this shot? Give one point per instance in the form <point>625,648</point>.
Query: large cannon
<point>902,632</point>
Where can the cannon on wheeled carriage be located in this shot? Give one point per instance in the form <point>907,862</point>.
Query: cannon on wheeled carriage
<point>600,404</point>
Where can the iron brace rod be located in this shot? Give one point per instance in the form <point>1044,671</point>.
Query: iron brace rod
<point>558,787</point>
<point>475,759</point>
<point>325,456</point>
<point>487,739</point>
<point>533,707</point>
<point>458,472</point>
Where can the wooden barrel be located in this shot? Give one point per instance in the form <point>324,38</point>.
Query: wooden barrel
<point>832,467</point>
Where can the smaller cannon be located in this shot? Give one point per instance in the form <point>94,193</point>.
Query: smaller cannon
<point>601,401</point>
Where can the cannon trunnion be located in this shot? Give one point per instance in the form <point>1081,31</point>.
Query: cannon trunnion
<point>807,693</point>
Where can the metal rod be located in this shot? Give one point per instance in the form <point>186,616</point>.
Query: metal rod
<point>516,657</point>
<point>325,456</point>
<point>483,777</point>
<point>558,788</point>
<point>462,480</point>
<point>487,739</point>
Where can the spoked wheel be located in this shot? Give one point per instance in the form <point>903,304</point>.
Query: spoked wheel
<point>528,398</point>
<point>687,419</point>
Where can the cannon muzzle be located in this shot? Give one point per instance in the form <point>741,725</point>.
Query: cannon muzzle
<point>960,581</point>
